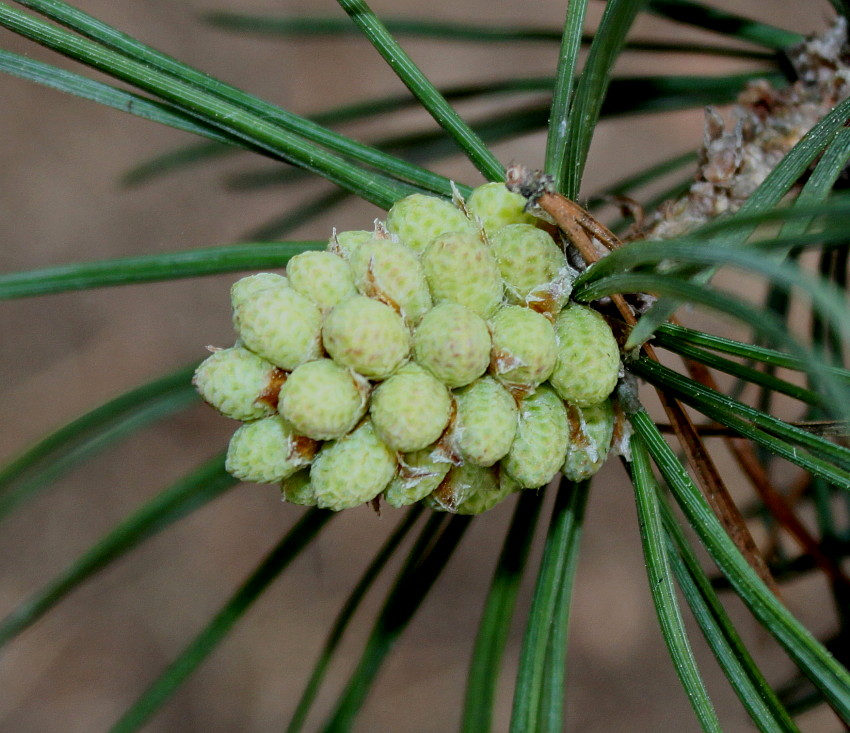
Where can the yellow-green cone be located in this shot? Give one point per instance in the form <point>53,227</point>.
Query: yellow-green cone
<point>321,276</point>
<point>323,400</point>
<point>281,325</point>
<point>588,364</point>
<point>391,272</point>
<point>353,470</point>
<point>452,343</point>
<point>460,484</point>
<point>497,207</point>
<point>524,347</point>
<point>297,489</point>
<point>417,476</point>
<point>267,451</point>
<point>411,409</point>
<point>540,445</point>
<point>533,266</point>
<point>460,269</point>
<point>494,489</point>
<point>486,422</point>
<point>345,243</point>
<point>591,430</point>
<point>247,286</point>
<point>418,218</point>
<point>238,383</point>
<point>367,336</point>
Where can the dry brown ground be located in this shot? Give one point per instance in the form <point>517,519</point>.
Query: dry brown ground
<point>79,667</point>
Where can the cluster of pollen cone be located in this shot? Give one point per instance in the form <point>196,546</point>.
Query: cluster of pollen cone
<point>437,358</point>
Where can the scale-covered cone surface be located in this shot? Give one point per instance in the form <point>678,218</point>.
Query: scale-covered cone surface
<point>538,450</point>
<point>591,431</point>
<point>524,347</point>
<point>528,260</point>
<point>486,421</point>
<point>247,286</point>
<point>418,475</point>
<point>323,400</point>
<point>353,470</point>
<point>368,336</point>
<point>297,489</point>
<point>417,219</point>
<point>434,359</point>
<point>485,494</point>
<point>411,409</point>
<point>460,269</point>
<point>321,276</point>
<point>496,207</point>
<point>391,272</point>
<point>267,451</point>
<point>452,343</point>
<point>238,383</point>
<point>588,364</point>
<point>280,324</point>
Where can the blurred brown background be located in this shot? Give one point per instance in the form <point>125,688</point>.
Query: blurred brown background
<point>60,200</point>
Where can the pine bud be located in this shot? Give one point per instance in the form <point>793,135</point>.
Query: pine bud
<point>418,218</point>
<point>533,266</point>
<point>323,400</point>
<point>367,336</point>
<point>418,475</point>
<point>460,269</point>
<point>391,273</point>
<point>591,431</point>
<point>238,383</point>
<point>281,325</point>
<point>452,343</point>
<point>486,422</point>
<point>497,207</point>
<point>297,489</point>
<point>538,450</point>
<point>524,347</point>
<point>588,364</point>
<point>352,470</point>
<point>267,451</point>
<point>321,276</point>
<point>411,409</point>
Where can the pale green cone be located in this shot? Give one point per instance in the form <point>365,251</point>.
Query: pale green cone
<point>323,400</point>
<point>588,364</point>
<point>533,266</point>
<point>497,207</point>
<point>460,269</point>
<point>367,336</point>
<point>391,272</point>
<point>281,325</point>
<point>247,286</point>
<point>297,489</point>
<point>267,451</point>
<point>591,431</point>
<point>486,422</point>
<point>418,218</point>
<point>418,475</point>
<point>461,483</point>
<point>411,409</point>
<point>492,490</point>
<point>323,277</point>
<point>540,445</point>
<point>238,383</point>
<point>524,347</point>
<point>452,343</point>
<point>353,470</point>
<point>345,243</point>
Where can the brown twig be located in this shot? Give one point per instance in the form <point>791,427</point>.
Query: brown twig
<point>583,231</point>
<point>774,501</point>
